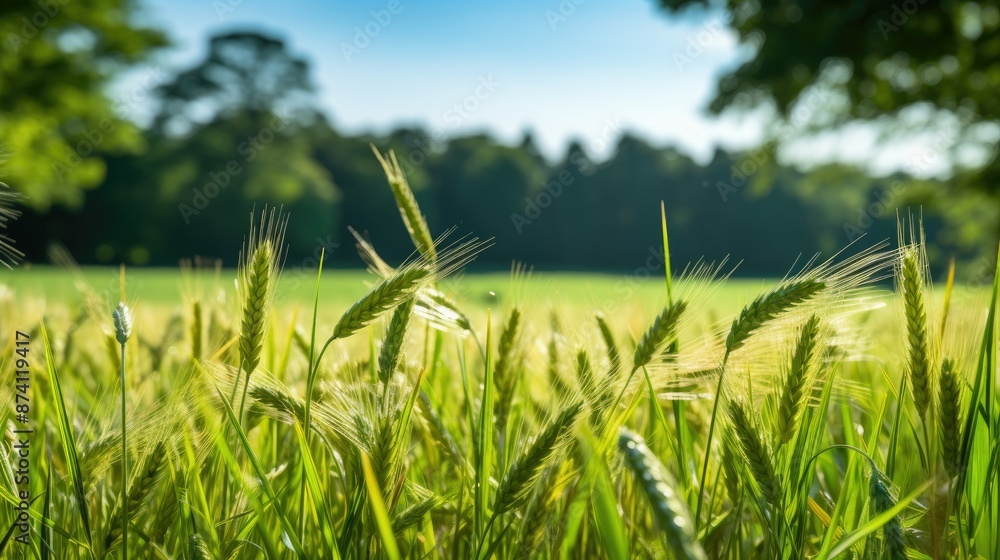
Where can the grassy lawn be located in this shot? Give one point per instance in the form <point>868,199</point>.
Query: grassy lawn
<point>164,287</point>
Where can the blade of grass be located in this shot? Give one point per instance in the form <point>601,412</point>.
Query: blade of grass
<point>873,524</point>
<point>378,510</point>
<point>310,381</point>
<point>290,535</point>
<point>607,519</point>
<point>484,439</point>
<point>68,439</point>
<point>315,489</point>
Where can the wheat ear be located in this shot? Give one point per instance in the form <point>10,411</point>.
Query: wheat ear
<point>504,377</point>
<point>883,500</point>
<point>614,356</point>
<point>916,330</point>
<point>139,492</point>
<point>517,482</point>
<point>768,306</point>
<point>756,453</point>
<point>794,389</point>
<point>414,513</point>
<point>384,295</point>
<point>949,409</point>
<point>257,282</point>
<point>663,328</point>
<point>413,219</point>
<point>392,347</point>
<point>196,330</point>
<point>669,510</point>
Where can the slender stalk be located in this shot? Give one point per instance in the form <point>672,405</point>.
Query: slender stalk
<point>708,444</point>
<point>123,329</point>
<point>124,495</point>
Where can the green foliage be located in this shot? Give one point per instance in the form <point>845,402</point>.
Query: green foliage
<point>56,117</point>
<point>878,58</point>
<point>394,463</point>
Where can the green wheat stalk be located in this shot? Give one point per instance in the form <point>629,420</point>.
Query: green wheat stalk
<point>123,330</point>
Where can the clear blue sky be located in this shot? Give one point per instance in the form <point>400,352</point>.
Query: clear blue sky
<point>585,69</point>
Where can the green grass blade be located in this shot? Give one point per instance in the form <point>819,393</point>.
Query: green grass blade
<point>484,440</point>
<point>873,524</point>
<point>389,544</point>
<point>607,519</point>
<point>45,531</point>
<point>315,490</point>
<point>68,439</point>
<point>290,535</point>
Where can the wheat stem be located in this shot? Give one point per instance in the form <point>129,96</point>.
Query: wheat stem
<point>123,329</point>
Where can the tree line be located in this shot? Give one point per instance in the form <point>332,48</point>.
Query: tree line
<point>239,130</point>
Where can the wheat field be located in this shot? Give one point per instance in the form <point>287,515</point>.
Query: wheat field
<point>849,410</point>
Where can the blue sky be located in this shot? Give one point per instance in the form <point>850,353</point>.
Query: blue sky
<point>564,69</point>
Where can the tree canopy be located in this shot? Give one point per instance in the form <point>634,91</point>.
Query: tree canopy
<point>934,62</point>
<point>56,115</point>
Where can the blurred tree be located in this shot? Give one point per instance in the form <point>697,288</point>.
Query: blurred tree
<point>232,134</point>
<point>924,65</point>
<point>56,116</point>
<point>482,185</point>
<point>244,72</point>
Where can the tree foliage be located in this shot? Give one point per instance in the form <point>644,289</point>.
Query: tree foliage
<point>56,116</point>
<point>932,62</point>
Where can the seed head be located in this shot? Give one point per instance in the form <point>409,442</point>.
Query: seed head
<point>667,504</point>
<point>123,323</point>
